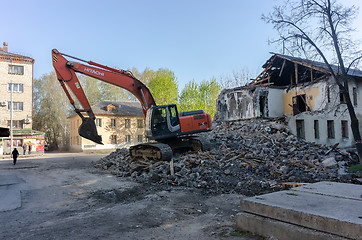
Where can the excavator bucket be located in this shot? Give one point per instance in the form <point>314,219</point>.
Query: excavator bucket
<point>88,130</point>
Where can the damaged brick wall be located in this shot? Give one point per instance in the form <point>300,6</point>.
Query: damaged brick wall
<point>246,103</point>
<point>235,104</point>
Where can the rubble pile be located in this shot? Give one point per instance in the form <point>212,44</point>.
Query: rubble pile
<point>247,157</point>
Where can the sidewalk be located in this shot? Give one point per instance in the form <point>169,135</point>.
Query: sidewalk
<point>21,156</point>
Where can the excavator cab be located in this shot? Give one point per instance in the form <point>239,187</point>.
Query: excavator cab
<point>162,122</point>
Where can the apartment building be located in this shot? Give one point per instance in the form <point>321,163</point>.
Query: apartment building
<point>16,87</point>
<point>120,124</point>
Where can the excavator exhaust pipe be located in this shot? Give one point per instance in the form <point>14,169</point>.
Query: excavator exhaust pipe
<point>88,130</point>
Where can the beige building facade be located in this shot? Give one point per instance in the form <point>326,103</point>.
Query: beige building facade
<point>120,124</point>
<point>16,87</point>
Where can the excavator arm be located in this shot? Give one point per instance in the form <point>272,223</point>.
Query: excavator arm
<point>66,74</point>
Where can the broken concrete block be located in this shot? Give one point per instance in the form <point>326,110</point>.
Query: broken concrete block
<point>329,162</point>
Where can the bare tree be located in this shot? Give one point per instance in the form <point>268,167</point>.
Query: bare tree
<point>237,79</point>
<point>321,29</point>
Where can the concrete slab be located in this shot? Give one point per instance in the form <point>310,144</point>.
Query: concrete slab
<point>342,190</point>
<point>335,213</point>
<point>267,227</point>
<point>10,198</point>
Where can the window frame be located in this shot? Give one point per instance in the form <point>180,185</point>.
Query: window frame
<point>19,87</point>
<point>344,128</point>
<point>330,129</point>
<point>113,139</point>
<point>19,69</point>
<point>98,122</point>
<point>316,129</point>
<point>127,123</point>
<point>354,95</point>
<point>300,128</point>
<point>17,106</point>
<point>113,123</point>
<point>140,123</point>
<point>17,124</point>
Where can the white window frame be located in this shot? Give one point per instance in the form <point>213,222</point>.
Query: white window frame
<point>128,138</point>
<point>99,122</point>
<point>17,106</point>
<point>16,69</point>
<point>16,87</point>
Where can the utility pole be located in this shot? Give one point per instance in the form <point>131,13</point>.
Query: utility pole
<point>11,110</point>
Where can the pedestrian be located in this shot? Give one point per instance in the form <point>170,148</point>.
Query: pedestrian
<point>15,154</point>
<point>24,148</point>
<point>29,148</point>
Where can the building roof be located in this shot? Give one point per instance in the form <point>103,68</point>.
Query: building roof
<point>118,108</point>
<point>5,55</point>
<point>314,64</point>
<point>284,71</point>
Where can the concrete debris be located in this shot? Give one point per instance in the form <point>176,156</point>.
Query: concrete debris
<point>248,157</point>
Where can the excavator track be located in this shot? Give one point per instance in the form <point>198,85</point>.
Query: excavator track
<point>155,151</point>
<point>164,151</point>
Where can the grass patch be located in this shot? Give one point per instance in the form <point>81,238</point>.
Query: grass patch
<point>239,234</point>
<point>356,169</point>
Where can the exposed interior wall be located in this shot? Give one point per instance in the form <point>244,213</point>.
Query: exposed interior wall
<point>235,105</point>
<point>246,103</point>
<point>315,97</point>
<point>275,100</point>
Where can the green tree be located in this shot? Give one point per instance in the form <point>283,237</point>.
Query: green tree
<point>189,97</point>
<point>209,91</point>
<point>200,97</point>
<point>163,86</point>
<point>92,89</point>
<point>51,108</point>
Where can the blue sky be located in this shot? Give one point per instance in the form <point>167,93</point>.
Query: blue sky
<point>197,40</point>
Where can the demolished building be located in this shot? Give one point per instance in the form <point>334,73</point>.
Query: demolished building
<point>303,92</point>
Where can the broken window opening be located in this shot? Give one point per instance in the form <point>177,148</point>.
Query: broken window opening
<point>299,104</point>
<point>328,94</point>
<point>316,129</point>
<point>262,101</point>
<point>342,97</point>
<point>355,96</point>
<point>300,128</point>
<point>344,128</point>
<point>330,129</point>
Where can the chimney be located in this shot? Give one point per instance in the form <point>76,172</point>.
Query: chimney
<point>5,46</point>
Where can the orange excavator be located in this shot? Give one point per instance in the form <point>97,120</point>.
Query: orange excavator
<point>168,130</point>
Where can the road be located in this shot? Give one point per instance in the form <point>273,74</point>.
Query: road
<point>62,196</point>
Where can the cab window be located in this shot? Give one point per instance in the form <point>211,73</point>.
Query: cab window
<point>173,116</point>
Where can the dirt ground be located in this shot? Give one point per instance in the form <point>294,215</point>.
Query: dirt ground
<point>64,197</point>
